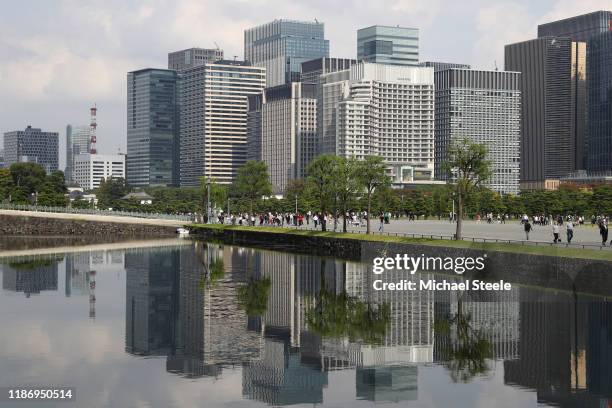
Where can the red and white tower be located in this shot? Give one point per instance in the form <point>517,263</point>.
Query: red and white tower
<point>92,130</point>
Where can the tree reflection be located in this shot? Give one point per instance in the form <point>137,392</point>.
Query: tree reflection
<point>466,351</point>
<point>253,296</point>
<point>214,268</point>
<point>341,315</point>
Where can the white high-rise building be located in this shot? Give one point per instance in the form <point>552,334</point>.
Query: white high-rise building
<point>213,116</point>
<point>382,110</point>
<point>90,169</point>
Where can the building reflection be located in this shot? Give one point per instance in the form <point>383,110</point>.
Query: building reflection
<point>181,306</point>
<point>30,275</point>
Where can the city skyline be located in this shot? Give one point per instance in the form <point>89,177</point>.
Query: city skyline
<point>56,74</point>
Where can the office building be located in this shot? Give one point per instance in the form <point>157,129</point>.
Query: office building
<point>214,108</point>
<point>2,165</point>
<point>578,28</point>
<point>598,149</point>
<point>193,57</point>
<point>285,134</point>
<point>382,110</point>
<point>152,127</point>
<point>443,66</point>
<point>311,74</point>
<point>484,107</point>
<point>32,145</point>
<point>552,107</point>
<point>388,45</point>
<point>77,142</point>
<point>282,45</point>
<point>91,169</point>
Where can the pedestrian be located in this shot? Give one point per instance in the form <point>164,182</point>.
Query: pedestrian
<point>556,233</point>
<point>603,231</point>
<point>527,227</point>
<point>315,220</point>
<point>569,228</point>
<point>381,227</point>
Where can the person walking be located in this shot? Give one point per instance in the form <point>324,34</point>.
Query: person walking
<point>315,219</point>
<point>527,227</point>
<point>381,227</point>
<point>556,233</point>
<point>569,228</point>
<point>603,231</point>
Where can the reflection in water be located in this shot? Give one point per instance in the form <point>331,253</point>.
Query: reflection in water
<point>289,323</point>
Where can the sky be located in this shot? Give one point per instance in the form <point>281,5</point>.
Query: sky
<point>58,57</point>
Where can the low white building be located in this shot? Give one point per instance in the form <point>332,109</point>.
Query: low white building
<point>90,169</point>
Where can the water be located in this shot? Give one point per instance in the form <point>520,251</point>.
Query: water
<point>188,324</point>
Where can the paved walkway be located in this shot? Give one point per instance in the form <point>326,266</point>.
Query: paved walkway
<point>92,217</point>
<point>512,230</point>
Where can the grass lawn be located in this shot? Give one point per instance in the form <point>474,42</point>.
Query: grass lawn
<point>558,251</point>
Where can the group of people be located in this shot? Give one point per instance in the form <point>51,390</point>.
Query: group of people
<point>569,224</point>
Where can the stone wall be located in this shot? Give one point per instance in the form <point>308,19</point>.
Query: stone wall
<point>570,274</point>
<point>23,225</point>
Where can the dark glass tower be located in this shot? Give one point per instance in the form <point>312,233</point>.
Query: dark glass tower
<point>553,99</point>
<point>282,45</point>
<point>152,127</point>
<point>578,28</point>
<point>599,77</point>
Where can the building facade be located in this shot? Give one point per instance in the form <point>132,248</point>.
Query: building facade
<point>442,66</point>
<point>578,28</point>
<point>388,45</point>
<point>77,142</point>
<point>282,45</point>
<point>599,101</point>
<point>312,72</point>
<point>484,107</point>
<point>32,145</point>
<point>553,106</point>
<point>152,127</point>
<point>91,169</point>
<point>288,125</point>
<point>214,107</point>
<point>382,110</point>
<point>193,57</point>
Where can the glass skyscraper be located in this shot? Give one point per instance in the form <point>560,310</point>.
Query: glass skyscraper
<point>152,127</point>
<point>599,102</point>
<point>282,45</point>
<point>388,45</point>
<point>77,142</point>
<point>578,28</point>
<point>32,145</point>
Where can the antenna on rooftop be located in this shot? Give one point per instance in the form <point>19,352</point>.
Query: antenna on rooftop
<point>216,45</point>
<point>495,62</point>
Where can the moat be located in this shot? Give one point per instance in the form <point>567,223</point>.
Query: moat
<point>187,323</point>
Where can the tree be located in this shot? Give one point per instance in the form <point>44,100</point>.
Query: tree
<point>346,185</point>
<point>372,175</point>
<point>6,184</point>
<point>321,176</point>
<point>466,165</point>
<point>253,182</point>
<point>28,177</point>
<point>110,192</point>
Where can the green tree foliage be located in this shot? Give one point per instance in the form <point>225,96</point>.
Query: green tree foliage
<point>321,176</point>
<point>28,183</point>
<point>372,176</point>
<point>252,182</point>
<point>6,185</point>
<point>110,192</point>
<point>466,165</point>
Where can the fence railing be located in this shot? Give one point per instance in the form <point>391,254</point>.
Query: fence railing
<point>68,210</point>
